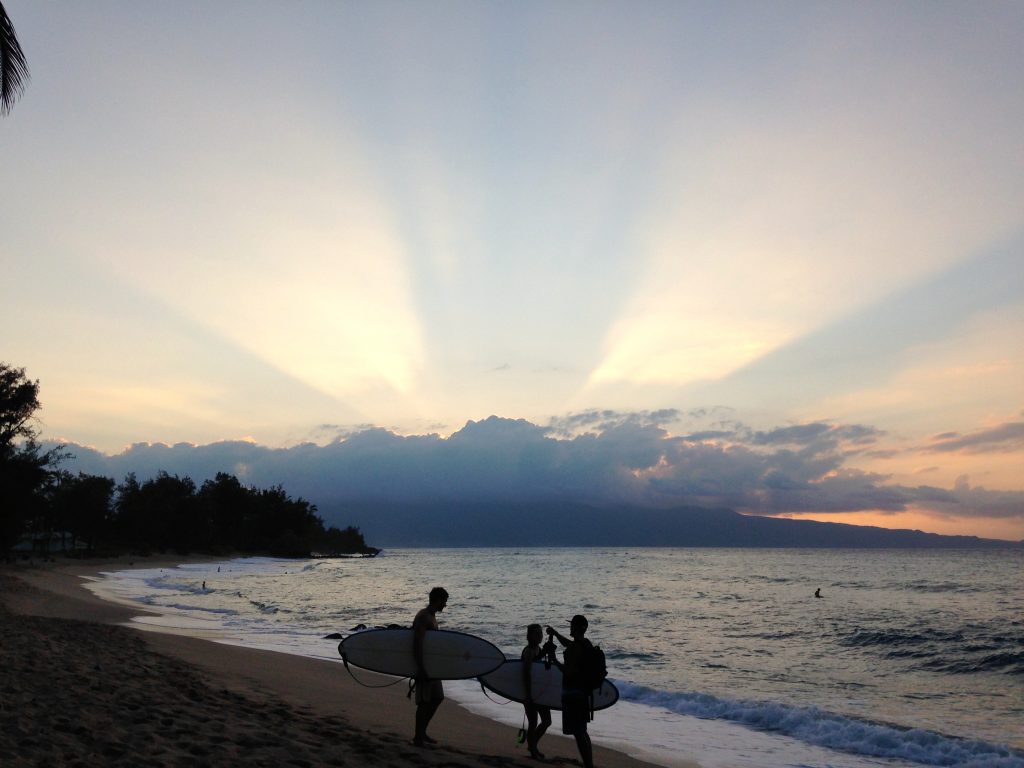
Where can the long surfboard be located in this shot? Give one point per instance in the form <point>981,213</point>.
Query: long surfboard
<point>447,655</point>
<point>545,682</point>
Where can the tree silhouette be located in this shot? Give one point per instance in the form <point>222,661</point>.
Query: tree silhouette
<point>82,506</point>
<point>19,400</point>
<point>221,517</point>
<point>13,67</point>
<point>24,471</point>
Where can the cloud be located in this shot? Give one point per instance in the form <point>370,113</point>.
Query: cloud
<point>597,456</point>
<point>1001,438</point>
<point>600,420</point>
<point>965,500</point>
<point>818,434</point>
<point>884,453</point>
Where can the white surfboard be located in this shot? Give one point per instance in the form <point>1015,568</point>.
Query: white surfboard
<point>545,682</point>
<point>447,655</point>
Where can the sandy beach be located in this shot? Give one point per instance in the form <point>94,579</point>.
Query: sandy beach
<point>81,689</point>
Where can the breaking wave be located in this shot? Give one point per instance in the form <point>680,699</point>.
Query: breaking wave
<point>827,729</point>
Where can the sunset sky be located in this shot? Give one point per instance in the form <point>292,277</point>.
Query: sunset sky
<point>761,254</point>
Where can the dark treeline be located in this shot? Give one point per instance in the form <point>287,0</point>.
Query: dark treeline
<point>169,513</point>
<point>43,508</point>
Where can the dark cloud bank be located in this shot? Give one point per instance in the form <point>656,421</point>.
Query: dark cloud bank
<point>596,478</point>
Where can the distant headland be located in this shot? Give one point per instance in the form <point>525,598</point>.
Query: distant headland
<point>560,524</point>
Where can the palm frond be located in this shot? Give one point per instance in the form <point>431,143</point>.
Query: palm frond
<point>13,67</point>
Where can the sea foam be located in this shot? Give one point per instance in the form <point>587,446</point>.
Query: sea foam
<point>838,732</point>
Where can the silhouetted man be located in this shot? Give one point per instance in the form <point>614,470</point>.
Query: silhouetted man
<point>575,693</point>
<point>429,693</point>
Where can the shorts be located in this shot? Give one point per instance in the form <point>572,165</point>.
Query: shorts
<point>429,692</point>
<point>575,712</point>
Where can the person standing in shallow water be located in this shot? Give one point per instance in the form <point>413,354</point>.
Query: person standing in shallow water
<point>429,693</point>
<point>575,695</point>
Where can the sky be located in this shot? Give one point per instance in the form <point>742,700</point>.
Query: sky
<point>763,255</point>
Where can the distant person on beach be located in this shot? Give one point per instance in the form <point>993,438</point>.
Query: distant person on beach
<point>575,694</point>
<point>429,693</point>
<point>533,653</point>
<point>817,592</point>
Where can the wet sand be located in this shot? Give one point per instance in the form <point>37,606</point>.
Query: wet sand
<point>80,689</point>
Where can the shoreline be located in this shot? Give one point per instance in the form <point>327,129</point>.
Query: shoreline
<point>321,716</point>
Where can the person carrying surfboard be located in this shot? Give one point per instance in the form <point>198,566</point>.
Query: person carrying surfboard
<point>534,653</point>
<point>429,693</point>
<point>575,689</point>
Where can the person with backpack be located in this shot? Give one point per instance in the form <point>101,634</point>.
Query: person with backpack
<point>582,672</point>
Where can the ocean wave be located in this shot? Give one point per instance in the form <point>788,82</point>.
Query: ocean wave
<point>263,607</point>
<point>863,638</point>
<point>619,655</point>
<point>770,635</point>
<point>757,578</point>
<point>161,583</point>
<point>942,587</point>
<point>826,729</point>
<point>185,607</point>
<point>966,650</point>
<point>1006,663</point>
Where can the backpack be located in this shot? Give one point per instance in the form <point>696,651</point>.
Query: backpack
<point>594,669</point>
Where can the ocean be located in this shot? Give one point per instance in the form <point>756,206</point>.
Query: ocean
<point>723,656</point>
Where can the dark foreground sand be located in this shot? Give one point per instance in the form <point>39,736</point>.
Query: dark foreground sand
<point>78,689</point>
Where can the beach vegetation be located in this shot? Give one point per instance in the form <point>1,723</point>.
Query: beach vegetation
<point>222,516</point>
<point>26,470</point>
<point>85,514</point>
<point>68,513</point>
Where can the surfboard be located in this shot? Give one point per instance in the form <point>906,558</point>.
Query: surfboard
<point>545,682</point>
<point>447,655</point>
